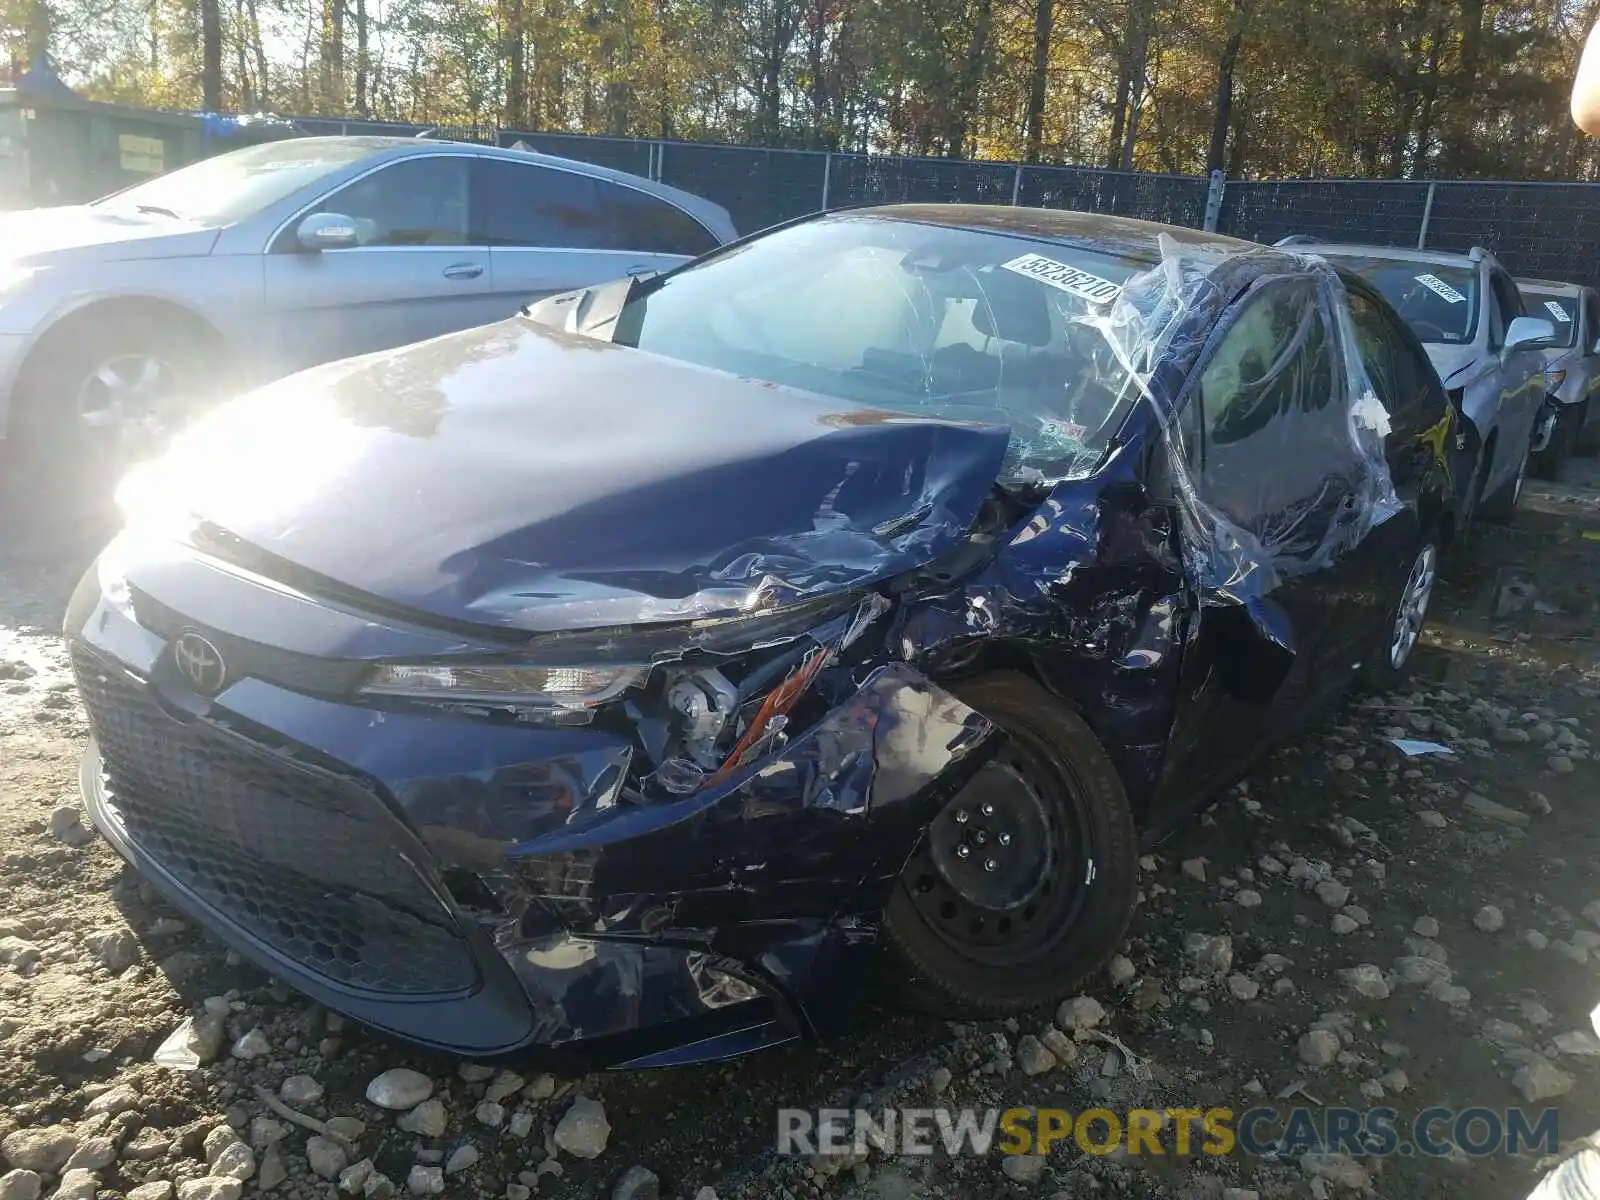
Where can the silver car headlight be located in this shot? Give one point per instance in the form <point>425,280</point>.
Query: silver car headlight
<point>571,689</point>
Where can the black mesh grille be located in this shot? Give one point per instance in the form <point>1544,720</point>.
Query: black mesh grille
<point>310,863</point>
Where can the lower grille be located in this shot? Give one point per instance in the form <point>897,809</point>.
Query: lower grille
<point>311,863</point>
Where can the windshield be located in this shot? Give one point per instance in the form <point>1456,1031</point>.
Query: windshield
<point>233,186</point>
<point>912,318</point>
<point>1561,311</point>
<point>1439,302</point>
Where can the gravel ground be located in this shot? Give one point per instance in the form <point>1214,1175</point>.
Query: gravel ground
<point>1346,924</point>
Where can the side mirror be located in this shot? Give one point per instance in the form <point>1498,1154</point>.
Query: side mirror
<point>1529,333</point>
<point>327,231</point>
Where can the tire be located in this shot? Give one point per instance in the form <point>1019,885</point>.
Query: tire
<point>1392,655</point>
<point>69,422</point>
<point>1548,463</point>
<point>1061,910</point>
<point>1501,507</point>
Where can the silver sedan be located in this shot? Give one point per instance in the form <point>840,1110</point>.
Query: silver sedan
<point>119,317</point>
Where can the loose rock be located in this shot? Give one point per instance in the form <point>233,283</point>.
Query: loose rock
<point>158,1189</point>
<point>462,1158</point>
<point>427,1119</point>
<point>326,1157</point>
<point>504,1084</point>
<point>1333,893</point>
<point>1026,1169</point>
<point>300,1090</point>
<point>1212,951</point>
<point>1365,980</point>
<point>425,1181</point>
<point>583,1130</point>
<point>252,1045</point>
<point>1318,1047</point>
<point>1489,919</point>
<point>637,1183</point>
<point>1032,1057</point>
<point>1242,987</point>
<point>1121,971</point>
<point>1080,1014</point>
<point>1540,1079</point>
<point>272,1171</point>
<point>20,1185</point>
<point>210,1188</point>
<point>77,1184</point>
<point>1425,927</point>
<point>399,1088</point>
<point>94,1154</point>
<point>43,1150</point>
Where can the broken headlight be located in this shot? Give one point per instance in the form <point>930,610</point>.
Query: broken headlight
<point>565,689</point>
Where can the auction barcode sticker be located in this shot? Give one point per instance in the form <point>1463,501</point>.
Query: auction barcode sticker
<point>1438,286</point>
<point>1558,312</point>
<point>1067,278</point>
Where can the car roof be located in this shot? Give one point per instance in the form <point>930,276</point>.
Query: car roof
<point>1554,287</point>
<point>705,211</point>
<point>1136,239</point>
<point>1443,258</point>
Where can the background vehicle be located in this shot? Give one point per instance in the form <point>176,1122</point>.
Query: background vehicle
<point>570,754</point>
<point>1572,369</point>
<point>1469,315</point>
<point>116,316</point>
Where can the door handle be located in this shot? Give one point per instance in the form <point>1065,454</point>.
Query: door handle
<point>463,271</point>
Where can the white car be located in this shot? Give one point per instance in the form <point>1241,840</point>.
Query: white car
<point>116,317</point>
<point>1487,348</point>
<point>1572,371</point>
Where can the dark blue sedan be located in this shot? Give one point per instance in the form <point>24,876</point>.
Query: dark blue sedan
<point>610,684</point>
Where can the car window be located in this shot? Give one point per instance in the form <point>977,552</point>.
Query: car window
<point>1268,408</point>
<point>416,202</point>
<point>1399,372</point>
<point>644,223</point>
<point>1560,311</point>
<point>922,319</point>
<point>525,205</point>
<point>240,183</point>
<point>1439,301</point>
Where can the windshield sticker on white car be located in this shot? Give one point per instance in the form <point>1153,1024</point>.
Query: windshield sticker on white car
<point>1558,312</point>
<point>1442,289</point>
<point>1068,279</point>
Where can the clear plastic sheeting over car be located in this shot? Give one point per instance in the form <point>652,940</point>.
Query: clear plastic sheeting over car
<point>1275,363</point>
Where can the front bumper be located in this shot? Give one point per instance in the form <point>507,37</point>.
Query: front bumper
<point>481,888</point>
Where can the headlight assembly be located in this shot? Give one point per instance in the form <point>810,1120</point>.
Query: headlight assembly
<point>565,688</point>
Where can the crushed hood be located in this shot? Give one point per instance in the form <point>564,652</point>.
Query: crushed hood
<point>518,476</point>
<point>44,236</point>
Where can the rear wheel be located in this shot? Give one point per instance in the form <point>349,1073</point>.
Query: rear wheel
<point>1022,886</point>
<point>1392,655</point>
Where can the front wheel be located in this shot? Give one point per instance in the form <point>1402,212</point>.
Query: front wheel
<point>1023,884</point>
<point>1501,507</point>
<point>1547,462</point>
<point>99,394</point>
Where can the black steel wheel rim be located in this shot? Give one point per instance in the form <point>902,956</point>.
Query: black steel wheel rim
<point>1025,813</point>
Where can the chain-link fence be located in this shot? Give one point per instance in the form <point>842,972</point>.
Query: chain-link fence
<point>1543,229</point>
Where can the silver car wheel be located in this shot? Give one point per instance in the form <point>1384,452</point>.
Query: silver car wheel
<point>127,397</point>
<point>1413,608</point>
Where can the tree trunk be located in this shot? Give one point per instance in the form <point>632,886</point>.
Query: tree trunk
<point>1216,155</point>
<point>1138,57</point>
<point>211,55</point>
<point>1044,18</point>
<point>1119,112</point>
<point>259,51</point>
<point>1460,153</point>
<point>963,106</point>
<point>241,51</point>
<point>363,61</point>
<point>817,92</point>
<point>333,57</point>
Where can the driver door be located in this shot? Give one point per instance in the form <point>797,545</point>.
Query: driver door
<point>415,275</point>
<point>1268,453</point>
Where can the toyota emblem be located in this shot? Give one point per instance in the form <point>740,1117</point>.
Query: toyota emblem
<point>200,663</point>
